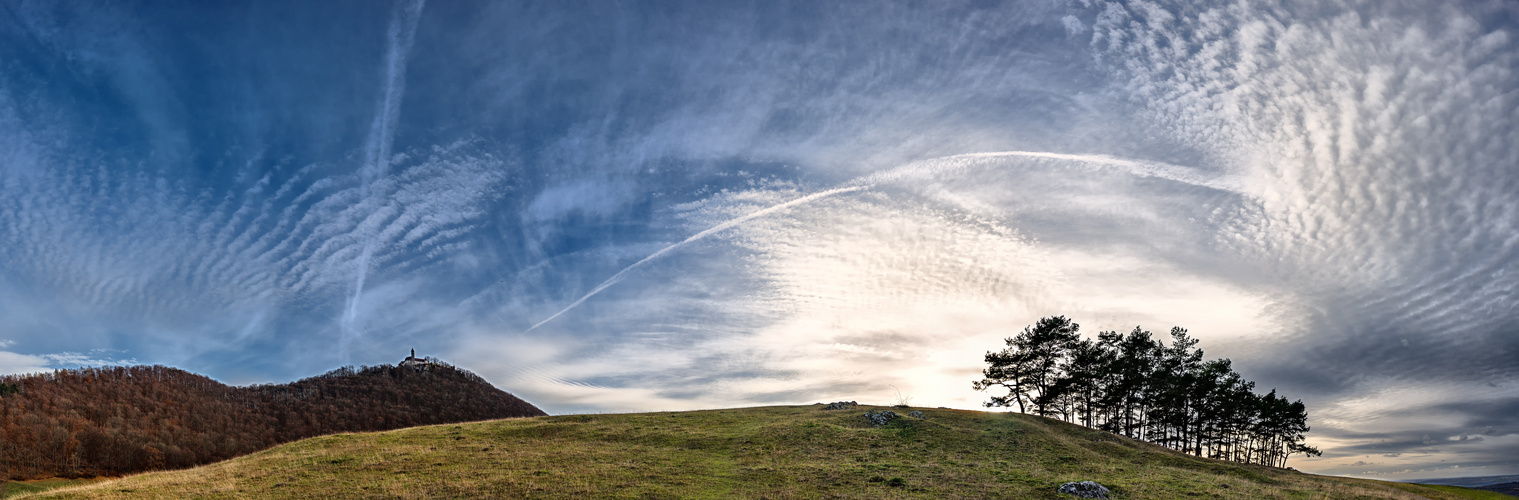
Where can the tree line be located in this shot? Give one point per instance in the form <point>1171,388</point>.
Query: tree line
<point>1135,385</point>
<point>117,420</point>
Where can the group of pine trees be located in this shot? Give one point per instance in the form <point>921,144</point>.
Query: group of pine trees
<point>117,420</point>
<point>1135,385</point>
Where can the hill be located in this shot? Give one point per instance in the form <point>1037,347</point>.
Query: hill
<point>116,420</point>
<point>768,452</point>
<point>1511,489</point>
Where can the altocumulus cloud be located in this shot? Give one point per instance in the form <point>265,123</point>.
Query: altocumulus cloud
<point>646,206</point>
<point>1382,143</point>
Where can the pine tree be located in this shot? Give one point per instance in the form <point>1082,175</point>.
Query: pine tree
<point>1136,385</point>
<point>1030,365</point>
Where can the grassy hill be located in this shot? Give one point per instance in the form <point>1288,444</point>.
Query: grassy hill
<point>768,452</point>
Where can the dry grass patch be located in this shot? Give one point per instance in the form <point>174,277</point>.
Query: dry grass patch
<point>10,489</point>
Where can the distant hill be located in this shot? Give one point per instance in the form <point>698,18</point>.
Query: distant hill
<point>769,452</point>
<point>1510,489</point>
<point>1471,481</point>
<point>118,420</point>
<point>1508,484</point>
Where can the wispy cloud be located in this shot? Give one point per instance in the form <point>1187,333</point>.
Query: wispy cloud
<point>1380,142</point>
<point>96,357</point>
<point>16,364</point>
<point>142,247</point>
<point>814,302</point>
<point>660,206</point>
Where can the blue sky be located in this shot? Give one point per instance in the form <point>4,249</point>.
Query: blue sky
<point>628,206</point>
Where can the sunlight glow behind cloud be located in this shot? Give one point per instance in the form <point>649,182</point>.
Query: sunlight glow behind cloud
<point>644,206</point>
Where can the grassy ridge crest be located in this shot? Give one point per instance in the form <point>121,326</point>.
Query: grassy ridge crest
<point>765,452</point>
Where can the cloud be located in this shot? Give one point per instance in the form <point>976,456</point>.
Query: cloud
<point>19,364</point>
<point>129,245</point>
<point>1333,241</point>
<point>97,357</point>
<point>1073,26</point>
<point>1376,142</point>
<point>833,289</point>
<point>15,364</point>
<point>1319,193</point>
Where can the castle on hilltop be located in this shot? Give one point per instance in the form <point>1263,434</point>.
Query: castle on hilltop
<point>413,360</point>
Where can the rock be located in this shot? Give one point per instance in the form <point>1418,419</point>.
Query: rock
<point>918,414</point>
<point>880,418</point>
<point>1084,489</point>
<point>841,405</point>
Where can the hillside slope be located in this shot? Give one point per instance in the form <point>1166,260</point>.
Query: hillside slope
<point>769,452</point>
<point>110,421</point>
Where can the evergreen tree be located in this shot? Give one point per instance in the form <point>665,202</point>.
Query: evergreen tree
<point>1047,343</point>
<point>1009,369</point>
<point>1132,370</point>
<point>1137,385</point>
<point>1030,365</point>
<point>1082,381</point>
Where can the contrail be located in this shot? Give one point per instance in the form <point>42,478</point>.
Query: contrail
<point>1141,168</point>
<point>927,168</point>
<point>714,229</point>
<point>403,30</point>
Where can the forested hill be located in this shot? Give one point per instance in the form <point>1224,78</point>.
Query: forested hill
<point>117,420</point>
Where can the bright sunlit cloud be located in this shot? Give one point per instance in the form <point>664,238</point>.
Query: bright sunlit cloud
<point>644,207</point>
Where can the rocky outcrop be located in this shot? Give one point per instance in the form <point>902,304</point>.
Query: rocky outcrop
<point>880,418</point>
<point>1084,489</point>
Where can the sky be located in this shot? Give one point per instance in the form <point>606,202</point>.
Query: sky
<point>634,206</point>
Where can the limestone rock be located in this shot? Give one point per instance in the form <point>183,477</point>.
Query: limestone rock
<point>880,418</point>
<point>1084,489</point>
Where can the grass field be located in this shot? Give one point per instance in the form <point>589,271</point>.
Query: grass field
<point>10,489</point>
<point>767,452</point>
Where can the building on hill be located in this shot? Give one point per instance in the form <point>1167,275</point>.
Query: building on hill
<point>413,360</point>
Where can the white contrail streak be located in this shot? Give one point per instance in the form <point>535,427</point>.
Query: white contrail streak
<point>710,231</point>
<point>1142,168</point>
<point>403,30</point>
<point>931,167</point>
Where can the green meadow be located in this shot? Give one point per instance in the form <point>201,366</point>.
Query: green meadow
<point>767,452</point>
